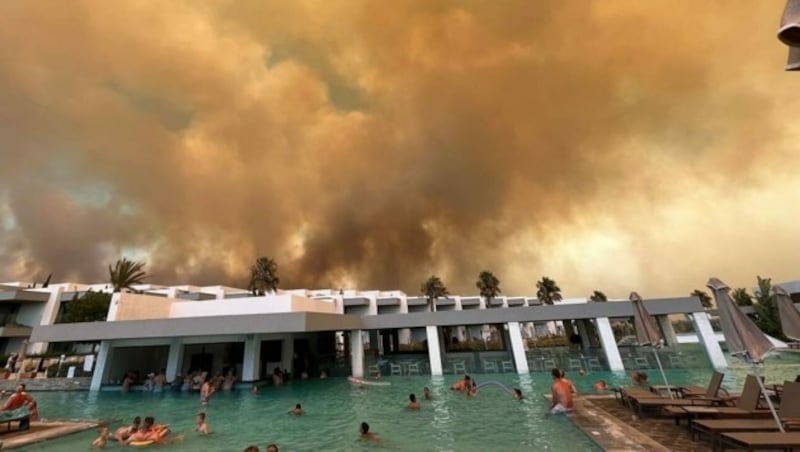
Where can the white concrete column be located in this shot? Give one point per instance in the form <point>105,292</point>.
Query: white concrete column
<point>287,353</point>
<point>583,332</point>
<point>49,314</point>
<point>101,365</point>
<point>251,365</point>
<point>518,347</point>
<point>609,344</point>
<point>356,354</point>
<point>670,338</point>
<point>113,306</point>
<point>709,340</point>
<point>434,351</point>
<point>174,359</point>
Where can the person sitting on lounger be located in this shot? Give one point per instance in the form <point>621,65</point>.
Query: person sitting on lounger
<point>19,399</point>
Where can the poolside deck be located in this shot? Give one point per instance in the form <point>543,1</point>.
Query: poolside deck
<point>615,428</point>
<point>42,431</point>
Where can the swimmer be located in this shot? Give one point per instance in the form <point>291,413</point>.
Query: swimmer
<point>601,386</point>
<point>205,391</point>
<point>473,389</point>
<point>581,372</point>
<point>272,448</point>
<point>101,440</point>
<point>426,394</point>
<point>462,385</point>
<point>517,395</point>
<point>297,410</point>
<point>412,402</point>
<point>123,433</point>
<point>366,435</point>
<point>251,449</point>
<point>639,378</point>
<point>254,390</point>
<point>201,426</point>
<point>561,402</point>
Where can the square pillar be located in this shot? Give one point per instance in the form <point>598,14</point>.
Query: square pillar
<point>609,344</point>
<point>174,359</point>
<point>670,338</point>
<point>583,332</point>
<point>518,347</point>
<point>709,340</point>
<point>287,353</point>
<point>356,354</point>
<point>251,367</point>
<point>434,351</point>
<point>101,366</point>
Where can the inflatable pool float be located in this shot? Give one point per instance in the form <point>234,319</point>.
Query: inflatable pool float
<point>361,381</point>
<point>146,443</point>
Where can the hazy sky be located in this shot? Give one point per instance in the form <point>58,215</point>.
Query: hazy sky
<point>615,145</point>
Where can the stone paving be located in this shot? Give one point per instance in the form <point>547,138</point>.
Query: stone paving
<point>661,432</point>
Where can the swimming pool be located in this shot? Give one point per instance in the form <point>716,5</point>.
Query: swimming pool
<point>450,422</point>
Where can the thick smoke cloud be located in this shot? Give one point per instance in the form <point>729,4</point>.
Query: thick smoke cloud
<point>616,146</point>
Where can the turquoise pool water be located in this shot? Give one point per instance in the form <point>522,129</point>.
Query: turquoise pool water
<point>490,421</point>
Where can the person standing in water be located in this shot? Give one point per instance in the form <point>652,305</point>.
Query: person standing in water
<point>412,402</point>
<point>561,393</point>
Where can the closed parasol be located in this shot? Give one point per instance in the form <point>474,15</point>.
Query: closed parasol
<point>648,333</point>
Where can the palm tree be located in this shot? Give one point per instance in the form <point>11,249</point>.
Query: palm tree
<point>264,276</point>
<point>125,274</point>
<point>489,286</point>
<point>705,299</point>
<point>598,297</point>
<point>741,297</point>
<point>433,289</point>
<point>547,291</point>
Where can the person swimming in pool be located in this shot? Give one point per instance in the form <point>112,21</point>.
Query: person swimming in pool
<point>102,439</point>
<point>201,424</point>
<point>517,394</point>
<point>561,402</point>
<point>366,435</point>
<point>297,410</point>
<point>601,386</point>
<point>150,431</point>
<point>123,433</point>
<point>426,394</point>
<point>413,404</point>
<point>462,385</point>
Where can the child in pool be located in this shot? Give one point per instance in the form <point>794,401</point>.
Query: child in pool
<point>101,441</point>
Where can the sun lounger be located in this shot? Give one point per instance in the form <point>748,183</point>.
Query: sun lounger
<point>712,390</point>
<point>788,412</point>
<point>760,440</point>
<point>746,405</point>
<point>22,415</point>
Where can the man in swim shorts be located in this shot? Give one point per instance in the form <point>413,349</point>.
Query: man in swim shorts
<point>561,393</point>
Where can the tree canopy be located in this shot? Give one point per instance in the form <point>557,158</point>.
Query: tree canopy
<point>489,286</point>
<point>547,291</point>
<point>433,288</point>
<point>91,307</point>
<point>705,298</point>
<point>125,274</point>
<point>741,297</point>
<point>598,297</point>
<point>766,310</point>
<point>264,276</point>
